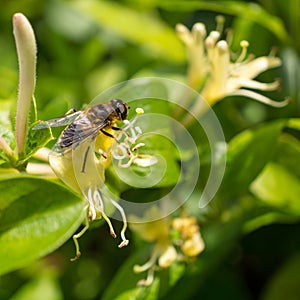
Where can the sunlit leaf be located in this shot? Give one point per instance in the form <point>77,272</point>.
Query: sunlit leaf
<point>36,217</point>
<point>294,123</point>
<point>125,281</point>
<point>250,11</point>
<point>277,187</point>
<point>284,284</point>
<point>143,28</point>
<point>288,154</point>
<point>247,154</point>
<point>44,286</point>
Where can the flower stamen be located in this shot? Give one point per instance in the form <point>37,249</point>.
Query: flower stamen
<point>75,240</point>
<point>148,264</point>
<point>124,219</point>
<point>220,20</point>
<point>98,199</point>
<point>244,45</point>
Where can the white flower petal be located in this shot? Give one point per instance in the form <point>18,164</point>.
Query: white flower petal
<point>168,257</point>
<point>253,84</point>
<point>145,160</point>
<point>255,67</point>
<point>184,34</point>
<point>260,98</point>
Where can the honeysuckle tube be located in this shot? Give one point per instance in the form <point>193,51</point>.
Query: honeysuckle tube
<point>5,147</point>
<point>26,50</point>
<point>82,168</point>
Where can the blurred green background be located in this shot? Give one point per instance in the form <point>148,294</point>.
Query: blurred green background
<point>87,46</point>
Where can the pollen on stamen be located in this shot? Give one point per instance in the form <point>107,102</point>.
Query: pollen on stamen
<point>139,111</point>
<point>244,45</point>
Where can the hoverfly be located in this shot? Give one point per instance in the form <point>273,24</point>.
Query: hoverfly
<point>86,124</point>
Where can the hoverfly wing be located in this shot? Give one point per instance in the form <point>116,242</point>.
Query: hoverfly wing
<point>77,132</point>
<point>57,122</point>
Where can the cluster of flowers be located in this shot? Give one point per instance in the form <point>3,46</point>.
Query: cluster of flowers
<point>175,240</point>
<point>215,75</point>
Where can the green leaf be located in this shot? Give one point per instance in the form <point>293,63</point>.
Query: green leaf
<point>277,187</point>
<point>6,131</point>
<point>294,123</point>
<point>250,11</point>
<point>288,154</point>
<point>44,286</point>
<point>36,217</point>
<point>124,285</point>
<point>37,139</point>
<point>143,28</point>
<point>247,154</point>
<point>125,281</point>
<point>141,293</point>
<point>285,283</point>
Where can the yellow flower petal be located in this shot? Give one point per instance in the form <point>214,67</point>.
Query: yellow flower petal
<point>168,257</point>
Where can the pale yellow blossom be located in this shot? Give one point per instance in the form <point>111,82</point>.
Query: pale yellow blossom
<point>174,240</point>
<point>213,73</point>
<point>96,156</point>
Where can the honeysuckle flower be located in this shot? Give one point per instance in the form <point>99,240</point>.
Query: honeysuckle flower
<point>175,239</point>
<point>189,238</point>
<point>96,156</point>
<point>213,73</point>
<point>26,50</point>
<point>5,147</point>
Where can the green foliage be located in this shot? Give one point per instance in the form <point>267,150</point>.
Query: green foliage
<point>86,46</point>
<point>37,139</point>
<point>36,217</point>
<point>247,154</point>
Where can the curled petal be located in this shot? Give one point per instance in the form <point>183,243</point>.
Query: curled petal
<point>261,98</point>
<point>235,83</point>
<point>255,67</point>
<point>145,160</point>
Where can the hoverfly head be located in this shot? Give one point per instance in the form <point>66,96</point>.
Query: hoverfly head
<point>121,108</point>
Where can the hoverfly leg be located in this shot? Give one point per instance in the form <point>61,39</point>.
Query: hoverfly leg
<point>102,153</point>
<point>110,135</point>
<point>84,159</point>
<point>107,134</point>
<point>120,129</point>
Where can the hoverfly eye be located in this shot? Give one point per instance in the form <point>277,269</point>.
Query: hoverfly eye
<point>123,111</point>
<point>121,108</point>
